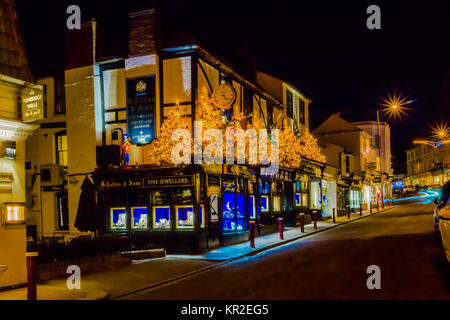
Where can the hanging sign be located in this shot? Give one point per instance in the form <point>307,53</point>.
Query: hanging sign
<point>33,103</point>
<point>141,109</point>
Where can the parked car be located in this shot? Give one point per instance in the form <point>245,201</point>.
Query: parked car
<point>442,214</point>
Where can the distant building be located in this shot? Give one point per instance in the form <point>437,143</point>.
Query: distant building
<point>382,155</point>
<point>428,166</point>
<point>349,150</point>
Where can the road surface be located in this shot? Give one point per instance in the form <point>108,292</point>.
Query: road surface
<point>332,265</point>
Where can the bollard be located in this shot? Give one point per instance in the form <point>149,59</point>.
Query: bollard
<point>252,233</point>
<point>280,227</point>
<point>378,205</point>
<point>370,207</point>
<point>302,222</point>
<point>334,215</point>
<point>360,209</point>
<point>32,279</point>
<point>347,208</point>
<point>315,218</point>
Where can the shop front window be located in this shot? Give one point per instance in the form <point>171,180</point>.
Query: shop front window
<point>140,217</point>
<point>228,212</point>
<point>252,207</point>
<point>305,200</point>
<point>202,216</point>
<point>316,202</point>
<point>118,218</point>
<point>298,199</point>
<point>240,212</point>
<point>161,217</point>
<point>277,188</point>
<point>185,217</point>
<point>264,203</point>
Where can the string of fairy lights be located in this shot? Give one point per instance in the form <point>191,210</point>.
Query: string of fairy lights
<point>292,147</point>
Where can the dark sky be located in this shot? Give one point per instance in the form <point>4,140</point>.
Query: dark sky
<point>322,47</point>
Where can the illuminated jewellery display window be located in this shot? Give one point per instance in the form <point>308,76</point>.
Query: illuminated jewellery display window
<point>233,211</point>
<point>185,217</point>
<point>161,217</point>
<point>252,207</point>
<point>240,212</point>
<point>298,199</point>
<point>118,218</point>
<point>264,203</point>
<point>140,217</point>
<point>229,223</point>
<point>202,216</point>
<point>13,213</point>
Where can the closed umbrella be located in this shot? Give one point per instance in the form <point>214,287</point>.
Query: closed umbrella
<point>88,214</point>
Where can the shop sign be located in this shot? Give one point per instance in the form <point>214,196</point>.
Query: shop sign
<point>311,170</point>
<point>169,181</point>
<point>6,182</point>
<point>33,104</point>
<point>377,180</point>
<point>141,109</point>
<point>112,183</point>
<point>135,183</point>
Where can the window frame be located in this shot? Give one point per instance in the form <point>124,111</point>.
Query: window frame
<point>289,104</point>
<point>57,151</point>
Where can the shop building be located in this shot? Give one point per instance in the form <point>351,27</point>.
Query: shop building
<point>428,166</point>
<point>382,155</point>
<point>46,165</point>
<point>22,101</point>
<point>187,207</point>
<point>349,153</point>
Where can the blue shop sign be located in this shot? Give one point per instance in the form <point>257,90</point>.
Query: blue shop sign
<point>141,109</point>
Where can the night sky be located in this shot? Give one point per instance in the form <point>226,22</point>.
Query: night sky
<point>321,47</point>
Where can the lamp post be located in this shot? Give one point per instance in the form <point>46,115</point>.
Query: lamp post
<point>378,142</point>
<point>394,107</point>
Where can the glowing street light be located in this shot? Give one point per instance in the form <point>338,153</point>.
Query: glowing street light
<point>393,106</point>
<point>441,131</point>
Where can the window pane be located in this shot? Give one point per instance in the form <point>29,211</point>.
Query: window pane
<point>140,218</point>
<point>185,217</point>
<point>229,222</point>
<point>118,218</point>
<point>264,203</point>
<point>240,212</point>
<point>161,217</point>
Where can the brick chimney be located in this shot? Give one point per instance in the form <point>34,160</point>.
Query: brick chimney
<point>144,33</point>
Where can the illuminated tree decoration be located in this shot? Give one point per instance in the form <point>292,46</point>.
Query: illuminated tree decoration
<point>310,148</point>
<point>291,149</point>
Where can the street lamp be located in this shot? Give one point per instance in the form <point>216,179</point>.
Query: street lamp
<point>393,106</point>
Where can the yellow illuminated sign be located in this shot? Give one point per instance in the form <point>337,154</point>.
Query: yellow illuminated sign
<point>13,213</point>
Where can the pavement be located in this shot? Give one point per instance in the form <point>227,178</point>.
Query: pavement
<point>146,274</point>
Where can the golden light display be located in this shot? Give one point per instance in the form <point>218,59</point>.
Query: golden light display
<point>291,148</point>
<point>310,148</point>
